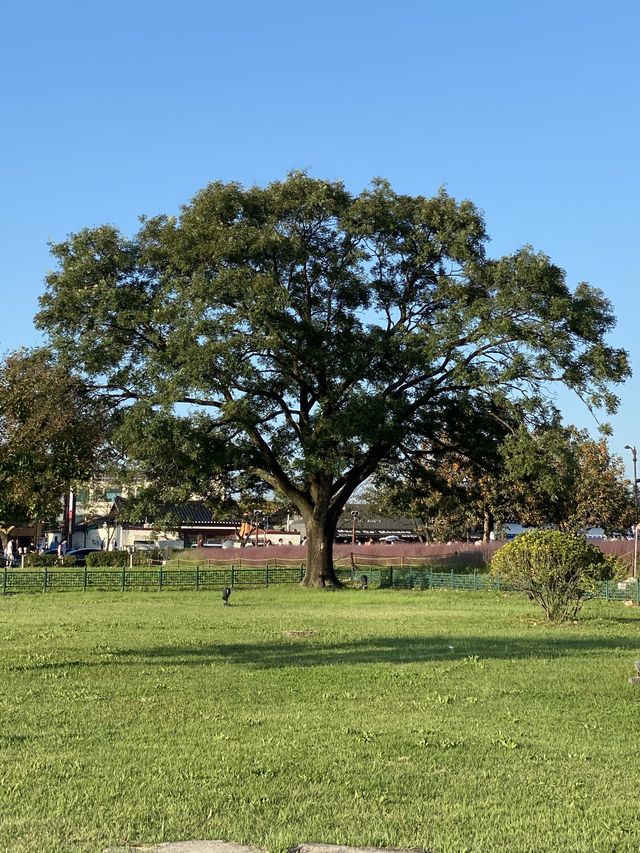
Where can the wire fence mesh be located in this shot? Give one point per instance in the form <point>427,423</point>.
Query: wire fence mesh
<point>207,577</point>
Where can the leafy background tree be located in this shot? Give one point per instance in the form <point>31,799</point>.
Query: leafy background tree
<point>53,432</point>
<point>541,476</point>
<point>316,328</point>
<point>454,484</point>
<point>564,478</point>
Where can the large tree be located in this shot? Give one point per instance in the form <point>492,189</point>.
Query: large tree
<point>317,327</point>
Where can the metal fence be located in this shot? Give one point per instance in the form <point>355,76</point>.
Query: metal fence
<point>206,577</point>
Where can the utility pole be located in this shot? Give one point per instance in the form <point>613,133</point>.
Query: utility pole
<point>354,518</point>
<point>634,457</point>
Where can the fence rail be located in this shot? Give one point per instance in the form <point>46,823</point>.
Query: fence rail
<point>445,558</point>
<point>207,577</point>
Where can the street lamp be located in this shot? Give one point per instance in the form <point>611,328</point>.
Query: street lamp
<point>634,457</point>
<point>355,515</point>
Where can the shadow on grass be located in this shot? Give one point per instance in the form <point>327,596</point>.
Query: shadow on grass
<point>302,653</point>
<point>14,740</point>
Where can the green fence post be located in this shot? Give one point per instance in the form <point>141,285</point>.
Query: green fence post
<point>84,580</point>
<point>475,580</point>
<point>266,575</point>
<point>391,577</point>
<point>160,579</point>
<point>606,590</point>
<point>233,574</point>
<point>301,572</point>
<point>45,579</point>
<point>197,577</point>
<point>452,587</point>
<point>637,591</point>
<point>123,579</point>
<point>4,581</point>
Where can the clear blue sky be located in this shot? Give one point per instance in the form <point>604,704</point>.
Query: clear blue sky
<point>530,110</point>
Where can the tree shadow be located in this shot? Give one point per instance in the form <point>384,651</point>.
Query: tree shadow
<point>307,652</point>
<point>15,740</point>
<point>45,665</point>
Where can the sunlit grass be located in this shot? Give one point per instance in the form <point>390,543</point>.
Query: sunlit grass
<point>445,721</point>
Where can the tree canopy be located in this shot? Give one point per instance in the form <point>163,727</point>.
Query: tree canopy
<point>172,459</point>
<point>564,478</point>
<point>316,328</point>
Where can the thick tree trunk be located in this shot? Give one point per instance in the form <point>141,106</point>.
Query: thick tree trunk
<point>488,525</point>
<point>320,537</point>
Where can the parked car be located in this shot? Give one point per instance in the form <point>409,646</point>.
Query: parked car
<point>80,554</point>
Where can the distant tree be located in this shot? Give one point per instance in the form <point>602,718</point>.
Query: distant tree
<point>550,475</point>
<point>52,430</point>
<point>317,327</point>
<point>562,477</point>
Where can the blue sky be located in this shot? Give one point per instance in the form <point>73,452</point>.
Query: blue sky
<point>530,110</point>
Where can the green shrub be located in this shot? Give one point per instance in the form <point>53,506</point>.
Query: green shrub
<point>108,558</point>
<point>153,556</point>
<point>35,560</point>
<point>557,570</point>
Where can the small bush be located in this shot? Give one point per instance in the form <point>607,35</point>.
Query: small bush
<point>153,556</point>
<point>108,558</point>
<point>557,570</point>
<point>35,560</point>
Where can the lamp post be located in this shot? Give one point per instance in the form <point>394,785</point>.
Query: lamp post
<point>355,515</point>
<point>634,457</point>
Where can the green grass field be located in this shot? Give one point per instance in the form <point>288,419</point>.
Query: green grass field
<point>444,721</point>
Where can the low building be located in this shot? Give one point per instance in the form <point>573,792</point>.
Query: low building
<point>368,526</point>
<point>190,525</point>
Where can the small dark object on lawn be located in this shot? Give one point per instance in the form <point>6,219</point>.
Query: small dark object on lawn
<point>364,582</point>
<point>637,665</point>
<point>634,681</point>
<point>226,595</point>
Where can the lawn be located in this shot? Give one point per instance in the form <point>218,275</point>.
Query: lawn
<point>447,721</point>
